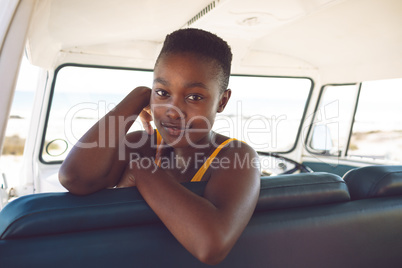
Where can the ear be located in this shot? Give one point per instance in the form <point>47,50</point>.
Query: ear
<point>224,100</point>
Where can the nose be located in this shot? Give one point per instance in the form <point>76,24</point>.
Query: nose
<point>175,109</point>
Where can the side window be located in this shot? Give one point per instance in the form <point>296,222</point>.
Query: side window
<point>17,130</point>
<point>377,129</point>
<point>265,112</point>
<point>330,130</point>
<point>81,96</point>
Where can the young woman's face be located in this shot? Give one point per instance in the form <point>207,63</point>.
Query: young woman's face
<point>185,98</point>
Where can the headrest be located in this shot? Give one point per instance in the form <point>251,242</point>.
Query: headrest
<point>55,213</point>
<point>374,181</point>
<point>305,189</point>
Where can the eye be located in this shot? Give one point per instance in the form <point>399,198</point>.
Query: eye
<point>162,93</point>
<point>195,97</point>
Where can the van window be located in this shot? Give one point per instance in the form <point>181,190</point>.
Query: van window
<point>17,131</point>
<point>81,96</point>
<point>377,129</point>
<point>359,123</point>
<point>330,130</point>
<point>265,112</point>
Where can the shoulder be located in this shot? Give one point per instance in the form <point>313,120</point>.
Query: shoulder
<point>236,158</point>
<point>235,177</point>
<point>235,149</point>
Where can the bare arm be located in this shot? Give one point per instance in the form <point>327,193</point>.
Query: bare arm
<point>99,158</point>
<point>208,226</point>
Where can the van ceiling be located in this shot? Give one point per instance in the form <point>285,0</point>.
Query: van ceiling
<point>342,40</point>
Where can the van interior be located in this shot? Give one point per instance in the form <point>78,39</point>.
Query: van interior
<point>316,89</point>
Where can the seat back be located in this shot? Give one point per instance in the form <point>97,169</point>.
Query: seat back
<point>301,220</point>
<point>374,181</point>
<point>53,213</point>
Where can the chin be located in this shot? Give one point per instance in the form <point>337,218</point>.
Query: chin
<point>185,140</point>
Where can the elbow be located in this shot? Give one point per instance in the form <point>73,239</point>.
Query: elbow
<point>68,181</point>
<point>212,259</point>
<point>72,183</point>
<point>65,178</point>
<point>213,251</point>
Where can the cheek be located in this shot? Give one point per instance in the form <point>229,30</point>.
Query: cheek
<point>157,111</point>
<point>156,108</point>
<point>152,99</point>
<point>201,119</point>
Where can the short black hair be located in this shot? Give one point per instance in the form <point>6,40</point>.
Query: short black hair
<point>203,43</point>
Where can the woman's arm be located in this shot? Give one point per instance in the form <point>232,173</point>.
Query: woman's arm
<point>99,158</point>
<point>207,226</point>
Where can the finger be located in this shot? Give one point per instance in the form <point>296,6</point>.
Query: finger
<point>146,118</point>
<point>146,115</point>
<point>149,129</point>
<point>147,126</point>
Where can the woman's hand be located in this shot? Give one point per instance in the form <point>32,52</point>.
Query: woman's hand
<point>138,168</point>
<point>145,115</point>
<point>146,118</point>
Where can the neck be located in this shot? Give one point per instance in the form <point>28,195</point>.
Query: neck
<point>203,146</point>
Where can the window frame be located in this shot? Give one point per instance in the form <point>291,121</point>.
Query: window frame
<point>308,140</point>
<point>50,102</point>
<point>364,158</point>
<point>52,92</point>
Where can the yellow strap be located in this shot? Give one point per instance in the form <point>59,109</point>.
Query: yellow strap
<point>205,166</point>
<point>158,148</point>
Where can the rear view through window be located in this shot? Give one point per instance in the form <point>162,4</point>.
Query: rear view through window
<point>265,112</point>
<point>377,130</point>
<point>360,122</point>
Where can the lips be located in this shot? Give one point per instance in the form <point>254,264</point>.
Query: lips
<point>174,129</point>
